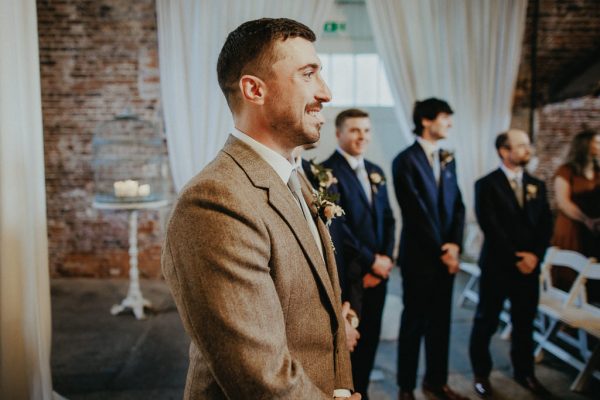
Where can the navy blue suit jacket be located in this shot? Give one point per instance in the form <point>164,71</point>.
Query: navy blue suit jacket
<point>366,229</point>
<point>507,227</point>
<point>431,215</point>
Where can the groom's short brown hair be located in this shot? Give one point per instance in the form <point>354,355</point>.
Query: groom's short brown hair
<point>249,50</point>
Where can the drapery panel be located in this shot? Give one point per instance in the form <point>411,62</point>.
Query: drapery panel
<point>464,51</point>
<point>25,323</point>
<point>190,35</point>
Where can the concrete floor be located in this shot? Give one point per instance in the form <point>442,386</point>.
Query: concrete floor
<point>99,356</point>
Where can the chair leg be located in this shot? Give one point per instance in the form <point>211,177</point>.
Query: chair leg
<point>583,344</point>
<point>545,335</point>
<point>583,377</point>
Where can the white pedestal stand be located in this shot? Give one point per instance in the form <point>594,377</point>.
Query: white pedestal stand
<point>134,300</point>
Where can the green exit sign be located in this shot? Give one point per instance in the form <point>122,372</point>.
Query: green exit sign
<point>334,26</point>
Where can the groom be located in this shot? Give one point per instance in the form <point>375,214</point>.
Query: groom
<point>247,258</point>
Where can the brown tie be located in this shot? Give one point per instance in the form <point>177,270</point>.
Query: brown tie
<point>518,189</point>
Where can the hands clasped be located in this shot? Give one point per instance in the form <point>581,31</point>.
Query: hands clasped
<point>527,263</point>
<point>381,268</point>
<point>449,257</point>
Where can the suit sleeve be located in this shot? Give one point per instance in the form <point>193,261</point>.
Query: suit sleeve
<point>221,282</point>
<point>458,223</point>
<point>354,250</point>
<point>389,225</point>
<point>544,227</point>
<point>487,217</point>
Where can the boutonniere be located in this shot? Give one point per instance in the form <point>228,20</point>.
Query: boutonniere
<point>325,203</point>
<point>376,180</point>
<point>323,175</point>
<point>446,157</point>
<point>531,191</point>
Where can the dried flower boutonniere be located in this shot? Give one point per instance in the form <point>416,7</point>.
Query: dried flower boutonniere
<point>327,208</point>
<point>324,200</point>
<point>376,180</point>
<point>446,157</point>
<point>531,191</point>
<point>323,175</point>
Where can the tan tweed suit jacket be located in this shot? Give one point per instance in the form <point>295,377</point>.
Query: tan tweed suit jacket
<point>260,304</point>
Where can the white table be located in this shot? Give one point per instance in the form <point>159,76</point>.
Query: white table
<point>134,300</point>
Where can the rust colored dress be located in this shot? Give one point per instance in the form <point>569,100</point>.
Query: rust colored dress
<point>573,235</point>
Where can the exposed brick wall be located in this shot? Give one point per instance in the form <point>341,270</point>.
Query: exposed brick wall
<point>558,123</point>
<point>567,41</point>
<point>97,57</point>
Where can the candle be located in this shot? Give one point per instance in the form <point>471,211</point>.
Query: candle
<point>128,188</point>
<point>143,190</point>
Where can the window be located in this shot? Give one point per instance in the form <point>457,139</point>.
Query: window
<point>356,80</point>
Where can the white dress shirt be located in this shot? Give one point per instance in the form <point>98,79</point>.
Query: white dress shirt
<point>432,150</point>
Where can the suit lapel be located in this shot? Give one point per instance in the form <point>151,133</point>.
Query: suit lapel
<point>282,200</point>
<point>374,194</point>
<point>504,185</point>
<point>431,187</point>
<point>528,204</point>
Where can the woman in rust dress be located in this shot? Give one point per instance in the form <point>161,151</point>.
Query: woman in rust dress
<point>577,190</point>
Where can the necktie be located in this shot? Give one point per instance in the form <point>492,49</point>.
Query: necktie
<point>363,178</point>
<point>517,187</point>
<point>295,188</point>
<point>435,164</point>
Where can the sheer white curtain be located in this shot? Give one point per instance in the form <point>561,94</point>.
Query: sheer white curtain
<point>25,324</point>
<point>190,36</point>
<point>464,51</point>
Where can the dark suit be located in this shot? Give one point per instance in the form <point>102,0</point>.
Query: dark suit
<point>366,230</point>
<point>508,228</point>
<point>431,216</point>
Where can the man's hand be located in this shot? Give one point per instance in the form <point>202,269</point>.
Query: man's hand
<point>352,334</point>
<point>355,396</point>
<point>527,263</point>
<point>370,281</point>
<point>450,257</point>
<point>382,265</point>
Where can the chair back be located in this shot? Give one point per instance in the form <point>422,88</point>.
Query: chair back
<point>568,259</point>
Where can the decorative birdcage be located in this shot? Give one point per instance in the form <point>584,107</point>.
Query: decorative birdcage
<point>129,161</point>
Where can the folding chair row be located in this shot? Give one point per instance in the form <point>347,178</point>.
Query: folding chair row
<point>571,308</point>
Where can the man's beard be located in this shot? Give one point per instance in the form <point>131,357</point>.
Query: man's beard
<point>291,126</point>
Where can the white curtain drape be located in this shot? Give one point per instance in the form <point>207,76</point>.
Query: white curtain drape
<point>25,323</point>
<point>190,36</point>
<point>464,51</point>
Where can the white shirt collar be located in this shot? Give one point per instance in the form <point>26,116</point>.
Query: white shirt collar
<point>353,161</point>
<point>510,174</point>
<point>298,163</point>
<point>427,146</point>
<point>282,167</point>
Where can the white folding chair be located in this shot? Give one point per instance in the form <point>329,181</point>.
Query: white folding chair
<point>580,314</point>
<point>558,306</point>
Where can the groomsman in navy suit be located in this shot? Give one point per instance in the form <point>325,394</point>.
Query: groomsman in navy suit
<point>514,215</point>
<point>367,235</point>
<point>433,216</point>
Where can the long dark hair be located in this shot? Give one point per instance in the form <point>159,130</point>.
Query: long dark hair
<point>579,152</point>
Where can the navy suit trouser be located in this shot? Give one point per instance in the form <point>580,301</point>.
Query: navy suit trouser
<point>427,307</point>
<point>523,293</point>
<point>363,356</point>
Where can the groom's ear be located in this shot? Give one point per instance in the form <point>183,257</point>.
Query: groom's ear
<point>253,89</point>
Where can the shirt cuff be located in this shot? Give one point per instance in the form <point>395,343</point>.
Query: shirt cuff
<point>342,393</point>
